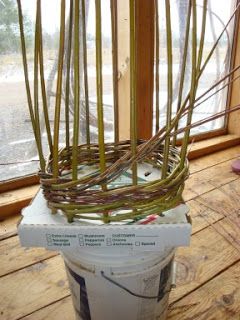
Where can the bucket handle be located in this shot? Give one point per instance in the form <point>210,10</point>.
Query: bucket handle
<point>133,293</point>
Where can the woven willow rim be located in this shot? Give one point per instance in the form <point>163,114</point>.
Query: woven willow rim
<point>85,199</point>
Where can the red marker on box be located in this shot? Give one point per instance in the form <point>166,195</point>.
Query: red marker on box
<point>149,219</point>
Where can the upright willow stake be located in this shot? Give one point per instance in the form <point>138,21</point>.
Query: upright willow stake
<point>114,27</point>
<point>85,72</point>
<point>58,91</point>
<point>201,45</point>
<point>76,93</point>
<point>99,85</point>
<point>133,108</point>
<point>183,67</point>
<point>29,98</point>
<point>101,141</point>
<point>67,85</point>
<point>36,105</point>
<point>196,68</point>
<point>42,79</point>
<point>169,86</point>
<point>157,65</point>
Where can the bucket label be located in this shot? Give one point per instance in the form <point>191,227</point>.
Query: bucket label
<point>149,288</point>
<point>164,280</point>
<point>84,312</point>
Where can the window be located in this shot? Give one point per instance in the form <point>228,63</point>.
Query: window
<point>218,14</point>
<point>18,155</point>
<point>17,147</point>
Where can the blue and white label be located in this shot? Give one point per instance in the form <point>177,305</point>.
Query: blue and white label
<point>82,305</point>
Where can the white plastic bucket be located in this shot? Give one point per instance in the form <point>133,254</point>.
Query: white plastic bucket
<point>120,287</point>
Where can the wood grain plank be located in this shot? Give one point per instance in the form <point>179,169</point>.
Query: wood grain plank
<point>41,283</point>
<point>11,202</point>
<point>32,288</point>
<point>61,310</point>
<point>209,254</point>
<point>225,199</point>
<point>208,179</point>
<point>8,227</point>
<point>213,159</point>
<point>14,257</point>
<point>211,301</point>
<point>217,299</point>
<point>212,145</point>
<point>201,215</point>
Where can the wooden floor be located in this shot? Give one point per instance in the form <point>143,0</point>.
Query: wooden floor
<point>33,283</point>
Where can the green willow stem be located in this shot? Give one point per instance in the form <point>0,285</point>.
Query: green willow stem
<point>169,86</point>
<point>76,93</point>
<point>35,81</point>
<point>58,91</point>
<point>193,79</point>
<point>27,85</point>
<point>114,29</point>
<point>157,64</point>
<point>215,92</point>
<point>196,67</point>
<point>85,65</point>
<point>217,41</point>
<point>183,67</point>
<point>99,85</point>
<point>184,104</point>
<point>201,44</point>
<point>138,200</point>
<point>25,65</point>
<point>43,87</point>
<point>133,107</point>
<point>67,85</point>
<point>211,118</point>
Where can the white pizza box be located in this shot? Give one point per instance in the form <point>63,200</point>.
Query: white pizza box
<point>40,228</point>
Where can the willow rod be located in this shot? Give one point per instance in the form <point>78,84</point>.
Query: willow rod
<point>99,85</point>
<point>85,63</point>
<point>193,79</point>
<point>68,69</point>
<point>43,86</point>
<point>215,92</point>
<point>146,147</point>
<point>27,85</point>
<point>217,41</point>
<point>157,64</point>
<point>196,67</point>
<point>127,159</point>
<point>114,28</point>
<point>210,118</point>
<point>169,87</point>
<point>185,111</point>
<point>133,107</point>
<point>101,140</point>
<point>35,85</point>
<point>210,54</point>
<point>203,31</point>
<point>76,93</point>
<point>58,91</point>
<point>183,67</point>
